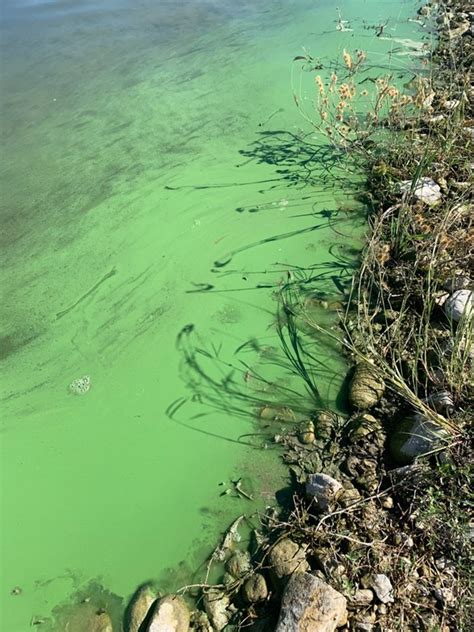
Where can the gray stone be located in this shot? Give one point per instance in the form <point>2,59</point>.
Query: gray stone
<point>425,189</point>
<point>383,588</point>
<point>255,589</point>
<point>170,614</point>
<point>286,558</point>
<point>361,598</point>
<point>216,604</point>
<point>458,281</point>
<point>324,489</point>
<point>311,605</point>
<point>414,437</point>
<point>459,305</point>
<point>441,401</point>
<point>138,608</point>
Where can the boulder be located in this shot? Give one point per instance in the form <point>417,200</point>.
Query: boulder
<point>216,604</point>
<point>459,305</point>
<point>324,489</point>
<point>311,605</point>
<point>414,437</point>
<point>366,388</point>
<point>255,589</point>
<point>239,564</point>
<point>138,608</point>
<point>286,558</point>
<point>169,614</point>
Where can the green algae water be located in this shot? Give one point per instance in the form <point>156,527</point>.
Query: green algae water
<point>158,187</point>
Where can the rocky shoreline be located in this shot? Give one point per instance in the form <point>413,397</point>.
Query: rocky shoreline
<point>379,532</point>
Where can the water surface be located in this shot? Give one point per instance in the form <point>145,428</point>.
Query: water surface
<point>157,186</point>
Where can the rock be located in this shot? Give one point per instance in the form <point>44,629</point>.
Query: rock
<point>459,305</point>
<point>383,588</point>
<point>463,27</point>
<point>349,497</point>
<point>200,622</point>
<point>445,596</point>
<point>255,589</point>
<point>458,281</point>
<point>387,502</point>
<point>369,473</point>
<point>216,604</point>
<point>425,189</point>
<point>324,489</point>
<point>169,614</point>
<point>138,608</point>
<point>414,437</point>
<point>451,105</point>
<point>286,558</point>
<point>365,627</point>
<point>228,579</point>
<point>364,425</point>
<point>442,402</point>
<point>324,424</point>
<point>102,623</point>
<point>306,432</point>
<point>361,598</point>
<point>311,605</point>
<point>366,387</point>
<point>239,564</point>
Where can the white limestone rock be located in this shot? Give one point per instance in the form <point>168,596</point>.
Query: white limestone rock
<point>324,489</point>
<point>459,305</point>
<point>170,614</point>
<point>383,588</point>
<point>425,189</point>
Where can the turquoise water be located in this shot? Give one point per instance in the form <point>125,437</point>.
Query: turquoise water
<point>157,187</point>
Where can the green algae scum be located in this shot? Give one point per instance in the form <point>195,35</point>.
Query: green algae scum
<point>159,186</point>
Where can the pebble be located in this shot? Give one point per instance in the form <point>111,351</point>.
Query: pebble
<point>362,597</point>
<point>383,588</point>
<point>387,502</point>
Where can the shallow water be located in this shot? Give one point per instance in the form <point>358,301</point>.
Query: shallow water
<point>156,191</point>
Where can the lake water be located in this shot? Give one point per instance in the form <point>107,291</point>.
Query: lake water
<point>158,185</point>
